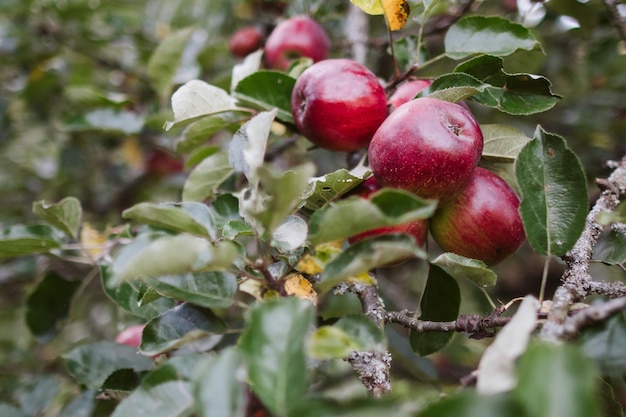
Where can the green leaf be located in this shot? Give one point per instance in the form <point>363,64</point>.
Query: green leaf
<point>368,254</point>
<point>203,181</point>
<point>611,248</point>
<point>604,344</point>
<point>66,215</point>
<point>127,295</point>
<point>9,410</point>
<point>350,333</point>
<point>554,194</point>
<point>194,218</point>
<point>22,240</point>
<point>92,363</point>
<point>441,301</point>
<point>171,255</point>
<point>196,99</point>
<point>247,149</point>
<point>235,228</point>
<point>502,143</point>
<point>205,289</point>
<point>461,267</point>
<point>273,349</point>
<point>486,35</point>
<point>470,404</point>
<point>218,392</point>
<point>167,399</point>
<point>182,324</point>
<point>322,190</point>
<point>166,59</point>
<point>48,305</point>
<point>251,64</point>
<point>266,210</point>
<point>354,215</point>
<point>557,380</point>
<point>519,94</point>
<point>290,234</point>
<point>197,133</point>
<point>121,383</point>
<point>267,90</point>
<point>455,87</point>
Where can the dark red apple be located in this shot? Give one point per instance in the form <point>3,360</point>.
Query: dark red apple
<point>130,336</point>
<point>406,92</point>
<point>245,41</point>
<point>483,222</point>
<point>338,104</point>
<point>294,38</point>
<point>417,229</point>
<point>160,163</point>
<point>427,146</point>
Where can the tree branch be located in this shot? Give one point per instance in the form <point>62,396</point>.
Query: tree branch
<point>592,315</point>
<point>616,19</point>
<point>576,280</point>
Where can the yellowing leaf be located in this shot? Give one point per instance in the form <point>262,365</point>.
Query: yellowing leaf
<point>369,6</point>
<point>309,265</point>
<point>131,153</point>
<point>364,278</point>
<point>299,286</point>
<point>324,253</point>
<point>92,240</point>
<point>396,12</point>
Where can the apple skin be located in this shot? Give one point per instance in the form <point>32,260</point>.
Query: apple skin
<point>417,229</point>
<point>427,146</point>
<point>297,37</point>
<point>130,336</point>
<point>338,104</point>
<point>160,163</point>
<point>483,222</point>
<point>407,92</point>
<point>245,41</point>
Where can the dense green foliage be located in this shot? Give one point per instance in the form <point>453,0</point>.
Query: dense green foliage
<point>149,177</point>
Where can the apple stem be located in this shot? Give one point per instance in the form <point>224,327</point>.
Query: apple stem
<point>544,279</point>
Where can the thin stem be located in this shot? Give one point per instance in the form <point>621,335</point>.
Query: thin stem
<point>544,279</point>
<point>433,60</point>
<point>488,297</point>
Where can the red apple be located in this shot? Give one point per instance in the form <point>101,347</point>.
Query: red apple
<point>245,41</point>
<point>406,92</point>
<point>417,229</point>
<point>295,38</point>
<point>338,104</point>
<point>160,163</point>
<point>131,336</point>
<point>483,222</point>
<point>427,146</point>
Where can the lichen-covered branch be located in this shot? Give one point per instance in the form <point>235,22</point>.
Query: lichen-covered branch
<point>576,281</point>
<point>592,315</point>
<point>616,18</point>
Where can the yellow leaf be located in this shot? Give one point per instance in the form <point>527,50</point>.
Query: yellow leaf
<point>396,12</point>
<point>309,265</point>
<point>324,253</point>
<point>92,240</point>
<point>369,6</point>
<point>299,286</point>
<point>131,153</point>
<point>364,278</point>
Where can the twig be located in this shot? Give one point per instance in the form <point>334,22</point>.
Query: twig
<point>592,315</point>
<point>576,280</point>
<point>616,19</point>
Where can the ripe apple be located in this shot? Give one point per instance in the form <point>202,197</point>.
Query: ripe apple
<point>406,92</point>
<point>483,222</point>
<point>417,229</point>
<point>427,146</point>
<point>338,104</point>
<point>130,336</point>
<point>294,38</point>
<point>245,41</point>
<point>160,163</point>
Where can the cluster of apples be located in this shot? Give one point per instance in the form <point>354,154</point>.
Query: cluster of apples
<point>424,145</point>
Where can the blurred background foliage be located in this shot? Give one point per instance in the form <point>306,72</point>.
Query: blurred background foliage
<point>82,107</point>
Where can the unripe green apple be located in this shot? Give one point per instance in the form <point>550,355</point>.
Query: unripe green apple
<point>245,41</point>
<point>294,38</point>
<point>406,92</point>
<point>427,146</point>
<point>417,229</point>
<point>483,222</point>
<point>338,104</point>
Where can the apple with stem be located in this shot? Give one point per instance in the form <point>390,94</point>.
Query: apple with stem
<point>338,104</point>
<point>294,38</point>
<point>417,229</point>
<point>427,146</point>
<point>483,222</point>
<point>245,41</point>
